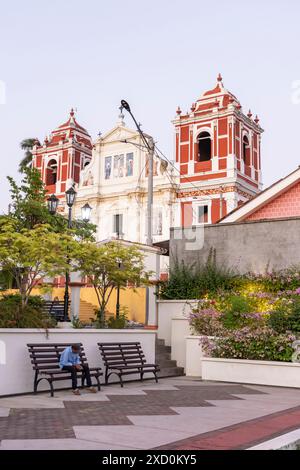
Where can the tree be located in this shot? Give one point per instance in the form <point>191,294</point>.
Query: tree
<point>29,207</point>
<point>100,263</point>
<point>29,255</point>
<point>27,145</point>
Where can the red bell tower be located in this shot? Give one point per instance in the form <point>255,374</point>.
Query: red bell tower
<point>61,158</point>
<point>217,151</point>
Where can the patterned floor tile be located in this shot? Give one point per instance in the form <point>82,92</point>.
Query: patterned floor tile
<point>58,444</point>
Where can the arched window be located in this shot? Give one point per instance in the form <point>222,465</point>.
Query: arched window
<point>51,173</point>
<point>204,147</point>
<point>246,150</point>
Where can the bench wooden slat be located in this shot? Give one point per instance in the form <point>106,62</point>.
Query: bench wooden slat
<point>125,358</point>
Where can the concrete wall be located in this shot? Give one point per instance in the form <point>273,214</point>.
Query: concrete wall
<point>169,310</point>
<point>245,246</point>
<point>16,374</point>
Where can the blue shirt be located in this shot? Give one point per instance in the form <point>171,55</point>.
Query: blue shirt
<point>69,358</point>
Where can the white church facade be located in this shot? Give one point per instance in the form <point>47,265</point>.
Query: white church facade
<point>115,185</point>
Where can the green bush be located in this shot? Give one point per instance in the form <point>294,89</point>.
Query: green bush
<point>246,343</point>
<point>195,281</point>
<point>31,316</point>
<point>119,322</point>
<point>235,310</point>
<point>286,317</point>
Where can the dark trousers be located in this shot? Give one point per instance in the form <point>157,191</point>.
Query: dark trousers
<point>86,374</point>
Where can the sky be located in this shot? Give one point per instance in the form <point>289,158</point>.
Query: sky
<point>157,55</point>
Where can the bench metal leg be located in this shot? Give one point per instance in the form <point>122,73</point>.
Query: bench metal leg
<point>121,380</point>
<point>35,382</point>
<point>51,388</point>
<point>98,383</point>
<point>155,375</point>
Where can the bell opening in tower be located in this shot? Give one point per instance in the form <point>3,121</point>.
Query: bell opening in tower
<point>204,147</point>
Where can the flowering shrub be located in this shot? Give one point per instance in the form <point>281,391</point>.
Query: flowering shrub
<point>246,343</point>
<point>205,319</point>
<point>286,317</point>
<point>254,319</point>
<point>274,281</point>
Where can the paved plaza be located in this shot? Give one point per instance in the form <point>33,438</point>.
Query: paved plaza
<point>176,413</point>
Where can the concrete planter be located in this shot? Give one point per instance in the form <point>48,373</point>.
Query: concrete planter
<point>168,310</point>
<point>16,374</point>
<point>280,374</point>
<point>180,329</point>
<point>194,355</point>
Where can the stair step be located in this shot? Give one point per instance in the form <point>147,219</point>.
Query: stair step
<point>163,348</point>
<point>163,356</point>
<point>171,372</point>
<point>168,367</point>
<point>166,364</point>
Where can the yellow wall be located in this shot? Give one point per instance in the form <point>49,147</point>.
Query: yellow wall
<point>133,299</point>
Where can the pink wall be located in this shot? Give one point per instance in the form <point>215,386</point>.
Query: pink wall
<point>285,205</point>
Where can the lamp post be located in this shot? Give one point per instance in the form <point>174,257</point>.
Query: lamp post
<point>70,199</point>
<point>119,261</point>
<point>149,144</point>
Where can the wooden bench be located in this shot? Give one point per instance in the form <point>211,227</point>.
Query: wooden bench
<point>124,359</point>
<point>55,308</point>
<point>45,362</point>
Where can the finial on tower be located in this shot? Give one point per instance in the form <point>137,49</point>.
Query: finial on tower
<point>121,117</point>
<point>178,111</point>
<point>219,78</point>
<point>256,120</point>
<point>193,107</point>
<point>72,112</point>
<point>249,114</point>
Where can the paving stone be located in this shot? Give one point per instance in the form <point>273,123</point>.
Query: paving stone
<point>141,415</point>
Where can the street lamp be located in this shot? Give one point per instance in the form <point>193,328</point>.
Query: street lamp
<point>70,199</point>
<point>119,261</point>
<point>149,144</point>
<point>86,212</point>
<point>52,203</point>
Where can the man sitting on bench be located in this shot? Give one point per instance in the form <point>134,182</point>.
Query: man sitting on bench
<point>70,361</point>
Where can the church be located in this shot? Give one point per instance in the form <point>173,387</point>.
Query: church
<point>216,168</point>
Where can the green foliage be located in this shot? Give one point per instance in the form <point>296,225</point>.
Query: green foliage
<point>6,280</point>
<point>77,324</point>
<point>119,322</point>
<point>205,319</point>
<point>275,281</point>
<point>29,208</point>
<point>13,315</point>
<point>246,343</point>
<point>234,311</point>
<point>31,254</point>
<point>286,317</point>
<point>195,281</point>
<point>26,145</point>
